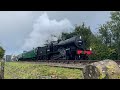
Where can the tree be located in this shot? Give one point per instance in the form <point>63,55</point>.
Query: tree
<point>105,34</point>
<point>114,26</point>
<point>85,33</point>
<point>109,34</point>
<point>2,52</point>
<point>99,50</point>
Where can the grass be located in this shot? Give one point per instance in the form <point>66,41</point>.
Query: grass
<point>17,70</point>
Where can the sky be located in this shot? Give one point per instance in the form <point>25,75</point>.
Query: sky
<point>23,30</point>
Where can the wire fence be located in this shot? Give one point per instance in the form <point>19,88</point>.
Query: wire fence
<point>21,70</point>
<point>30,70</point>
<point>2,64</point>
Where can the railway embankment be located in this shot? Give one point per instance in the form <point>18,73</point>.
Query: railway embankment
<point>105,69</point>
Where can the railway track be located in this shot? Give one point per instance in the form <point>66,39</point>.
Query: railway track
<point>69,61</point>
<point>72,64</point>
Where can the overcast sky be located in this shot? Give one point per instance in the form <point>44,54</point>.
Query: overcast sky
<point>23,30</point>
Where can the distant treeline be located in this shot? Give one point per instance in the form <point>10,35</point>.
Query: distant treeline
<point>106,43</point>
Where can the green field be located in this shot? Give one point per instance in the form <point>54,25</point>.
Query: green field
<point>17,70</point>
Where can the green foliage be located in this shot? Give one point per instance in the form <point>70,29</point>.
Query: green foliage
<point>105,34</point>
<point>114,25</point>
<point>109,33</point>
<point>2,52</point>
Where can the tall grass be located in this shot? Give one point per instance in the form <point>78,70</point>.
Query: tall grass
<point>17,70</point>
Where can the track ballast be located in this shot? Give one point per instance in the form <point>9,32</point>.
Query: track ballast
<point>73,64</point>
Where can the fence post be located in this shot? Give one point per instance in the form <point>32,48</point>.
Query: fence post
<point>2,69</point>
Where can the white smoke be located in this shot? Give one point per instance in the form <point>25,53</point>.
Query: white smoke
<point>43,29</point>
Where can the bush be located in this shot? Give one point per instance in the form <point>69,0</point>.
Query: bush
<point>2,52</point>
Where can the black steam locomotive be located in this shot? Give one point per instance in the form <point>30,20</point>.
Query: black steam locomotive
<point>70,49</point>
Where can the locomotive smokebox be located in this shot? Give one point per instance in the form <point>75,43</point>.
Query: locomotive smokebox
<point>77,41</point>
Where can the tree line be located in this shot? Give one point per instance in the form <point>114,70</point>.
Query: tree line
<point>106,43</point>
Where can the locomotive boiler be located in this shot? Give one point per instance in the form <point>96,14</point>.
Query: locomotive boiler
<point>70,49</point>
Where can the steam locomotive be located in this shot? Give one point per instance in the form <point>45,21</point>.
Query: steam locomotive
<point>70,49</point>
